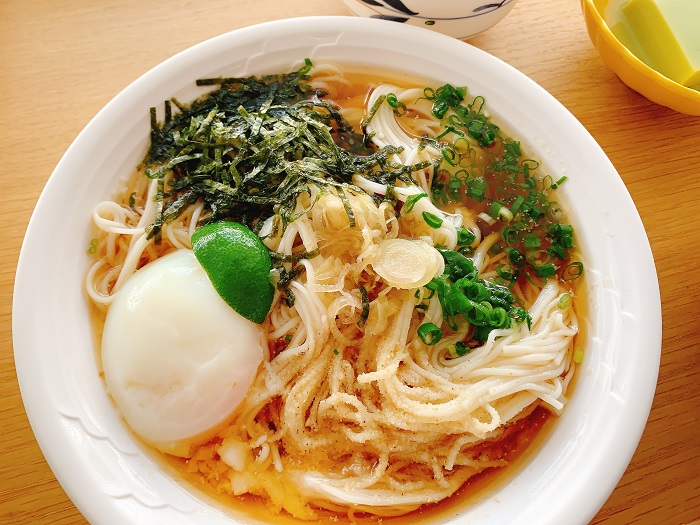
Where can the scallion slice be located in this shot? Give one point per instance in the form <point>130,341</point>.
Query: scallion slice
<point>429,333</point>
<point>432,220</point>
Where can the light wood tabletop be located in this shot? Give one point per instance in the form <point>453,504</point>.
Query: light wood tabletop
<point>61,62</point>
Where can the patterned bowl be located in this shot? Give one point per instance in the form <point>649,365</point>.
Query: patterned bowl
<point>456,18</point>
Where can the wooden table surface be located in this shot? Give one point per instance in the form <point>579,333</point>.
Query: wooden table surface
<point>60,62</point>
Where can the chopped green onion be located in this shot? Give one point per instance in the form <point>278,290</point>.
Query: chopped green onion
<point>512,147</point>
<point>450,155</point>
<point>457,266</point>
<point>484,304</point>
<point>467,251</point>
<point>564,301</point>
<point>572,271</point>
<point>464,237</point>
<point>93,246</point>
<point>432,220</point>
<point>557,251</point>
<point>519,315</point>
<point>546,270</point>
<point>477,189</point>
<point>532,242</point>
<point>499,318</point>
<point>411,201</point>
<point>511,235</point>
<point>516,259</point>
<point>429,333</point>
<point>494,209</point>
<point>517,203</point>
<point>440,108</point>
<point>496,248</point>
<point>481,333</point>
<point>454,188</point>
<point>476,128</point>
<point>398,106</point>
<point>562,235</point>
<point>459,349</point>
<point>556,184</point>
<point>505,214</point>
<point>448,130</point>
<point>578,355</point>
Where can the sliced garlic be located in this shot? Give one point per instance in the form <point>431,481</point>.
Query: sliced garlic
<point>407,264</point>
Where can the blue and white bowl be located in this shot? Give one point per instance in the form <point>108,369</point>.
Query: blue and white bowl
<point>456,18</point>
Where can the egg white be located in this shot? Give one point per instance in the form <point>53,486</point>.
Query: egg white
<point>177,359</point>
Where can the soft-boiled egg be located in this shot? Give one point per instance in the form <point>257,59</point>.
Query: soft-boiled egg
<point>177,359</point>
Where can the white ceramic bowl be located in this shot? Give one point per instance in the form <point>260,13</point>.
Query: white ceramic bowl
<point>456,18</point>
<point>109,476</point>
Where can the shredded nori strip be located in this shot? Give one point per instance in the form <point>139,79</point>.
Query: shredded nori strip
<point>249,148</point>
<point>285,280</point>
<point>283,257</point>
<point>364,315</point>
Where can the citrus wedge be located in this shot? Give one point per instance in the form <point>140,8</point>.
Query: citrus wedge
<point>238,265</point>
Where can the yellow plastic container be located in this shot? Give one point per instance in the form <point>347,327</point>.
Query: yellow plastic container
<point>668,33</point>
<point>633,71</point>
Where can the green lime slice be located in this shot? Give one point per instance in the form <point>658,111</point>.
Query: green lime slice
<point>238,265</point>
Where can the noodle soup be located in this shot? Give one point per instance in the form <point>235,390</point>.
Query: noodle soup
<point>424,316</point>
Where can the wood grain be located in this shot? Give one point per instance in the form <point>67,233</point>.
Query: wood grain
<point>62,61</point>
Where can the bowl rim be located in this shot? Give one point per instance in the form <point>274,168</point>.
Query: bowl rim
<point>73,451</point>
<point>690,95</point>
